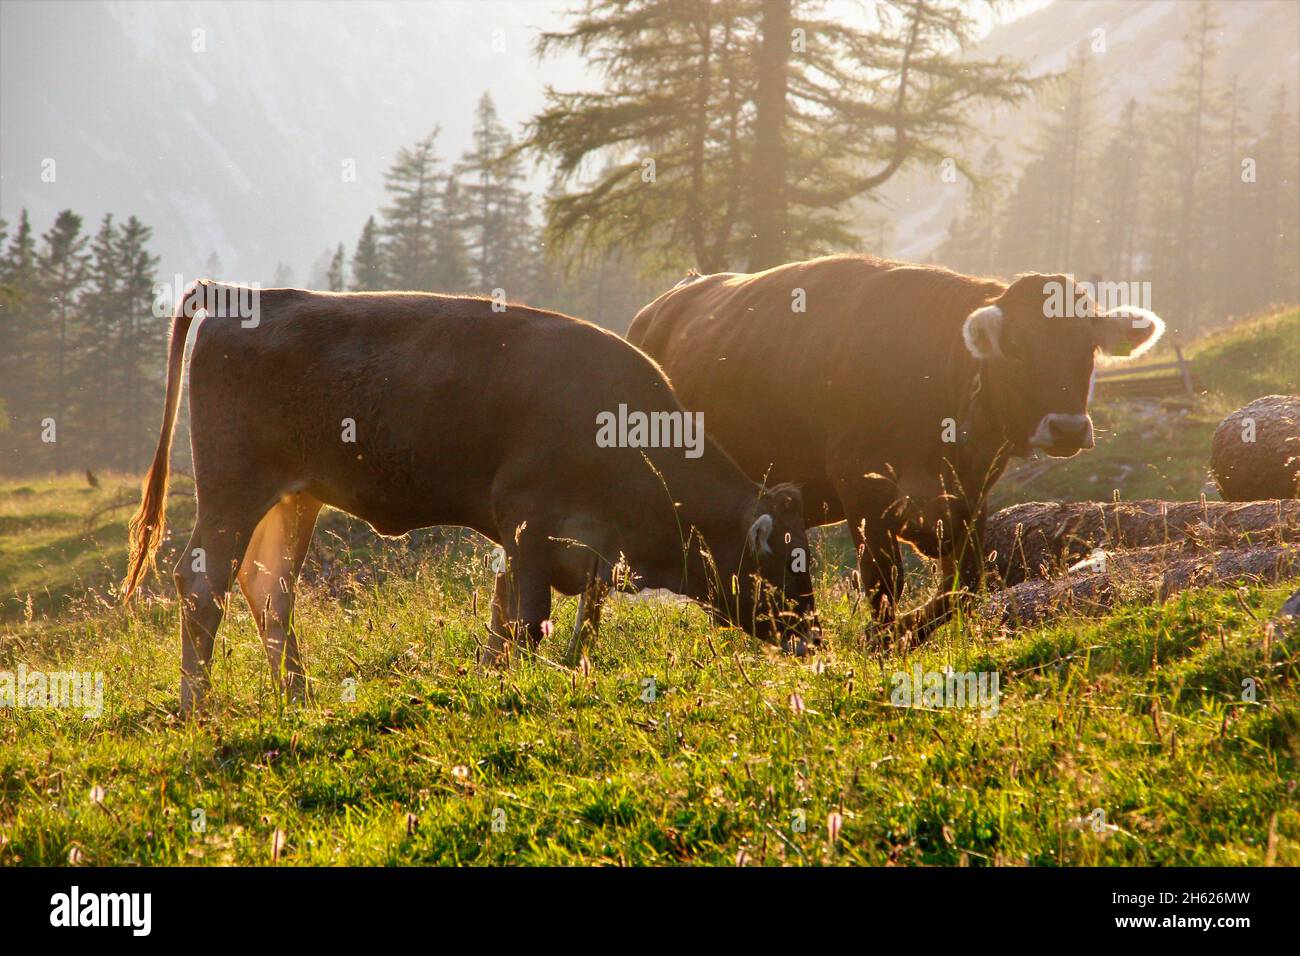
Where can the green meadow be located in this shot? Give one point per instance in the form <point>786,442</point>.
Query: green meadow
<point>1155,735</point>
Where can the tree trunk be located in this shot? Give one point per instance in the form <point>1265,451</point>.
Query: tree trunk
<point>1146,574</point>
<point>1039,539</point>
<point>770,223</point>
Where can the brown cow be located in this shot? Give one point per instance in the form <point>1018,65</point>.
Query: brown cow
<point>894,394</point>
<point>409,410</point>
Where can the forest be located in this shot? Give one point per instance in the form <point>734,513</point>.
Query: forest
<point>698,152</point>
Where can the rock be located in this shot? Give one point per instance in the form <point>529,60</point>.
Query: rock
<point>1291,607</point>
<point>1042,538</point>
<point>1143,574</point>
<point>1267,466</point>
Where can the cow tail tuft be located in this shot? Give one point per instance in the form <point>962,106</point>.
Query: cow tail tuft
<point>145,530</point>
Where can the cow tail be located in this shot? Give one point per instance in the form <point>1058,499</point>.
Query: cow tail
<point>145,530</point>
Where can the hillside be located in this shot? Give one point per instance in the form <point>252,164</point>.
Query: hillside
<point>1142,54</point>
<point>241,150</point>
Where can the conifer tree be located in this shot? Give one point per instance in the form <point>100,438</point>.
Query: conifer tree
<point>1116,197</point>
<point>18,338</point>
<point>413,184</point>
<point>496,208</point>
<point>368,274</point>
<point>452,269</point>
<point>100,319</point>
<point>1188,121</point>
<point>62,267</point>
<point>143,343</point>
<point>739,131</point>
<point>335,276</point>
<point>215,268</point>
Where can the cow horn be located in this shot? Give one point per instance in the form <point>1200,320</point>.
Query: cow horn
<point>759,533</point>
<point>1129,330</point>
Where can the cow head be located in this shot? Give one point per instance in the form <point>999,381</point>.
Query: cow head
<point>1037,341</point>
<point>774,592</point>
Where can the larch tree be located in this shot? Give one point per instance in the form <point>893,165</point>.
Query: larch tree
<point>739,132</point>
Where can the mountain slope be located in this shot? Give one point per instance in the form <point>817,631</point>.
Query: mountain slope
<point>239,147</point>
<point>1260,45</point>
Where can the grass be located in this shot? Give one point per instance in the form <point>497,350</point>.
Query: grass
<point>408,755</point>
<point>1128,739</point>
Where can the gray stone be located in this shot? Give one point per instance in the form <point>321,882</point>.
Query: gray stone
<point>1269,466</point>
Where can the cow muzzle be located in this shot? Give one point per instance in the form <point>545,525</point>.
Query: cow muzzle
<point>1063,436</point>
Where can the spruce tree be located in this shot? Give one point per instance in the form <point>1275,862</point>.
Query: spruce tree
<point>101,318</point>
<point>1188,121</point>
<point>62,267</point>
<point>452,270</point>
<point>283,277</point>
<point>143,343</point>
<point>496,207</point>
<point>368,273</point>
<point>1116,197</point>
<point>18,337</point>
<point>215,268</point>
<point>334,278</point>
<point>413,184</point>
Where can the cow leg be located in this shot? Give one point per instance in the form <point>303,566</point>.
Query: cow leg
<point>880,568</point>
<point>500,635</point>
<point>520,606</point>
<point>586,623</point>
<point>867,507</point>
<point>267,575</point>
<point>961,564</point>
<point>203,576</point>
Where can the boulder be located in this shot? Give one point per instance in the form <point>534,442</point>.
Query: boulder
<point>1255,454</point>
<point>1038,538</point>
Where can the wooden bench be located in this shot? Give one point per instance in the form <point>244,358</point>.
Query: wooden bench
<point>1149,381</point>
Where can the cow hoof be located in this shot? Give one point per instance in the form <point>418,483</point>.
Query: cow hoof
<point>798,646</point>
<point>891,635</point>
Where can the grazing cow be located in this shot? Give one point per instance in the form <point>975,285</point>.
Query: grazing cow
<point>894,394</point>
<point>409,410</point>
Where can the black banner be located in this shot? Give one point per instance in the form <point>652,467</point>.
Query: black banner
<point>336,905</point>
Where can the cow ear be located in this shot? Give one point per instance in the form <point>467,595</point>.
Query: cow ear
<point>983,331</point>
<point>760,534</point>
<point>1128,331</point>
